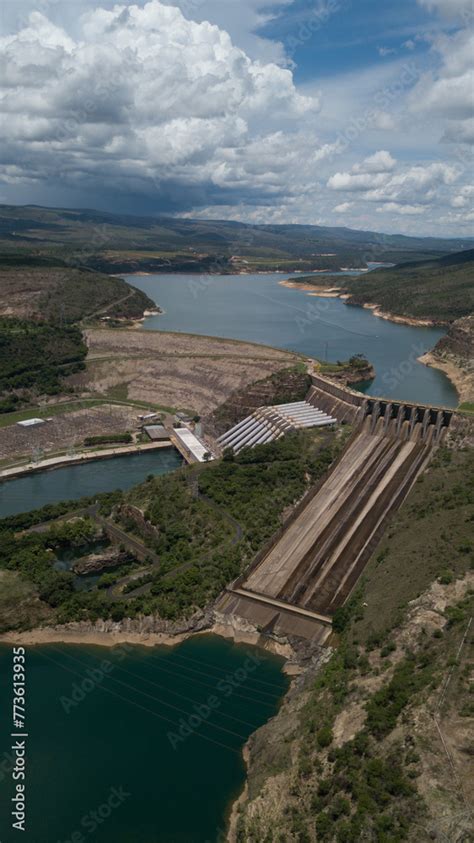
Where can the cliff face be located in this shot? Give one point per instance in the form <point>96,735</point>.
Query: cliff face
<point>458,343</point>
<point>454,354</point>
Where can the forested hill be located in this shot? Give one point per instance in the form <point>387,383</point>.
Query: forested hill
<point>441,290</point>
<point>42,302</point>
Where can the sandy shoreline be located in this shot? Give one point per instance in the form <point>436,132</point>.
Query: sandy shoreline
<point>313,289</point>
<point>401,320</point>
<point>71,634</point>
<point>234,811</point>
<point>338,293</point>
<point>463,382</point>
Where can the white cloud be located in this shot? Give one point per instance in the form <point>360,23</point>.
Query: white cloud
<point>379,162</point>
<point>363,182</point>
<point>383,121</point>
<point>385,51</point>
<point>464,198</point>
<point>397,189</point>
<point>447,91</point>
<point>404,210</point>
<point>460,133</point>
<point>450,8</point>
<point>144,97</point>
<point>370,173</point>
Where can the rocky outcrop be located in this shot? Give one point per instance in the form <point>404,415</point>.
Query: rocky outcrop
<point>459,341</point>
<point>351,376</point>
<point>128,512</point>
<point>98,562</point>
<point>454,354</point>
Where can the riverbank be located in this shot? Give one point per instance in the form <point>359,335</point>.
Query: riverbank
<point>340,293</point>
<point>458,377</point>
<point>76,459</point>
<point>393,317</point>
<point>109,634</point>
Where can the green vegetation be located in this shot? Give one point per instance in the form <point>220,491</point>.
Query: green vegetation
<point>120,243</point>
<point>364,733</point>
<point>351,371</point>
<point>433,530</point>
<point>25,520</point>
<point>36,356</point>
<point>365,787</point>
<point>439,290</point>
<point>65,292</point>
<point>209,519</point>
<point>20,606</point>
<point>109,439</point>
<point>258,484</point>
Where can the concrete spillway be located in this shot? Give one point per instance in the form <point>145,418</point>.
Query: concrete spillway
<point>318,558</point>
<point>311,565</point>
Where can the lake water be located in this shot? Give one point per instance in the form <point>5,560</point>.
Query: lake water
<point>105,758</point>
<point>76,481</point>
<point>257,308</point>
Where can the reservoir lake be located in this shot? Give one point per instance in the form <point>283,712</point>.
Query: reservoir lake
<point>124,744</point>
<point>258,308</point>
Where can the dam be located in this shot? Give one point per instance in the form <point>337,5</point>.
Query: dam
<point>311,565</point>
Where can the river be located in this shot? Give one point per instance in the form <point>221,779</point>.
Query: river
<point>259,309</point>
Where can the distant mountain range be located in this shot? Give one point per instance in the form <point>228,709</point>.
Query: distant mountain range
<point>125,243</point>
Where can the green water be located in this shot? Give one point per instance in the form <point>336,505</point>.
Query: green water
<point>77,481</point>
<point>118,737</point>
<point>259,309</point>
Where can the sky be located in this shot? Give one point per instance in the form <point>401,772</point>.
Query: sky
<point>354,113</point>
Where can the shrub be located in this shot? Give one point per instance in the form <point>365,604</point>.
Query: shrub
<point>324,736</point>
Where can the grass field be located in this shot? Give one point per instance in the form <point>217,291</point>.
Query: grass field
<point>430,537</point>
<point>19,603</point>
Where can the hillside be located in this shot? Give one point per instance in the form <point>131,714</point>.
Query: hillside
<point>125,243</point>
<point>439,290</point>
<point>454,354</point>
<point>375,741</point>
<point>41,303</point>
<point>54,291</point>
